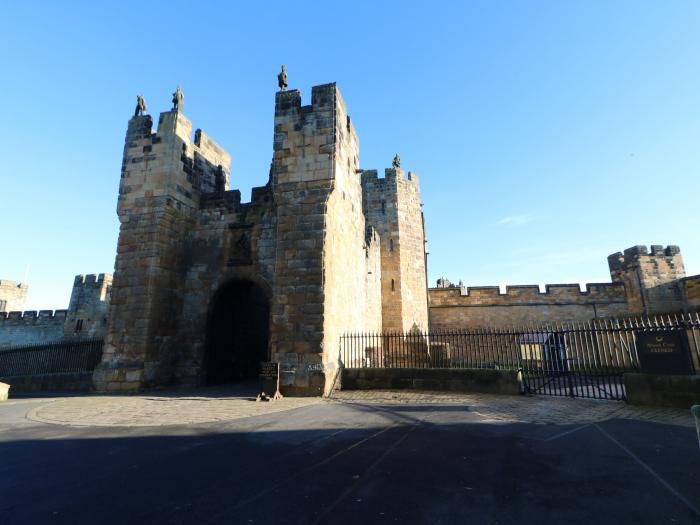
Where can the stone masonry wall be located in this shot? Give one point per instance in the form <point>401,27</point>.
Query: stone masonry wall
<point>691,290</point>
<point>230,241</point>
<point>392,205</point>
<point>89,306</point>
<point>163,176</point>
<point>351,250</point>
<point>31,327</point>
<point>321,262</point>
<point>456,308</point>
<point>302,180</point>
<point>12,295</point>
<point>381,210</point>
<point>645,282</point>
<point>411,248</point>
<point>651,278</point>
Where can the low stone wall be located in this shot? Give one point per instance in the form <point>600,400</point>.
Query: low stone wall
<point>662,390</point>
<point>485,381</point>
<point>68,382</point>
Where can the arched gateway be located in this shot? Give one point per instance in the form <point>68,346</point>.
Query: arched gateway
<point>237,332</point>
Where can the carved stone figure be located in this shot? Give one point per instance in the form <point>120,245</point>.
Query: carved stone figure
<point>282,78</point>
<point>178,99</point>
<point>396,163</point>
<point>140,106</point>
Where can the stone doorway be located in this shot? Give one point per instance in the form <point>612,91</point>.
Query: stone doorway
<point>238,331</point>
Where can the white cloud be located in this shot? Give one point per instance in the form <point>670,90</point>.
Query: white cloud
<point>516,220</point>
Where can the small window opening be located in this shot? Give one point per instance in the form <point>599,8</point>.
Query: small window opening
<point>393,285</point>
<point>79,325</point>
<point>391,245</point>
<point>384,207</point>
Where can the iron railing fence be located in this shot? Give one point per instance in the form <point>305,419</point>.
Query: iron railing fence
<point>51,358</point>
<point>585,359</point>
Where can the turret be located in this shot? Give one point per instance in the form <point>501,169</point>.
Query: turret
<point>651,278</point>
<point>12,295</point>
<point>392,205</point>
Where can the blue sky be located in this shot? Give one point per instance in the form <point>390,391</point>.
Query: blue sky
<point>547,134</point>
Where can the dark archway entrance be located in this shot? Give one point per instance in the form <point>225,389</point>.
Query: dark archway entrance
<point>237,332</point>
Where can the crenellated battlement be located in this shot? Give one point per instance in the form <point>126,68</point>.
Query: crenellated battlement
<point>313,143</point>
<point>231,200</point>
<point>91,279</point>
<point>651,277</point>
<point>171,164</point>
<point>12,284</point>
<point>390,178</point>
<point>527,294</point>
<point>632,255</point>
<point>31,327</point>
<point>32,317</point>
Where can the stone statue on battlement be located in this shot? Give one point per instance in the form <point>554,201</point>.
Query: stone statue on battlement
<point>282,78</point>
<point>178,99</point>
<point>140,106</point>
<point>396,163</point>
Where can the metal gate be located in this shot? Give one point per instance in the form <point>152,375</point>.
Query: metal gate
<point>585,360</point>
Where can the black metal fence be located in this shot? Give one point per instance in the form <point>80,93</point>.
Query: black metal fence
<point>51,358</point>
<point>571,359</point>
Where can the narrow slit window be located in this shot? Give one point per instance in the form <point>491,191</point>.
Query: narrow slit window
<point>391,245</point>
<point>393,285</point>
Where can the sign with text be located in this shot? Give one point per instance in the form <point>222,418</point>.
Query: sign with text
<point>269,381</point>
<point>663,352</point>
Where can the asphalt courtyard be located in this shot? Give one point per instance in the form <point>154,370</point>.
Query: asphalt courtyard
<point>216,456</point>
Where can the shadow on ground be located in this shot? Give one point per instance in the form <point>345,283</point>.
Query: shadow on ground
<point>353,463</point>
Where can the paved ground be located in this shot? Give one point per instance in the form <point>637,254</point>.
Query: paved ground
<point>379,457</point>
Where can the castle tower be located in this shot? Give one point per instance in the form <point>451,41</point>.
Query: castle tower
<point>651,278</point>
<point>163,175</point>
<point>321,276</point>
<point>393,207</point>
<point>13,295</point>
<point>89,306</point>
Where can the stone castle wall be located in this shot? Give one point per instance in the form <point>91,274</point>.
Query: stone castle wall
<point>13,295</point>
<point>31,327</point>
<point>85,317</point>
<point>644,282</point>
<point>456,307</point>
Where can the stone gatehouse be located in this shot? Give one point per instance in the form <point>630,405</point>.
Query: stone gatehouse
<point>206,286</point>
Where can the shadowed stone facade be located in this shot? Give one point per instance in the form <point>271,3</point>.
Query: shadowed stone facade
<point>204,283</point>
